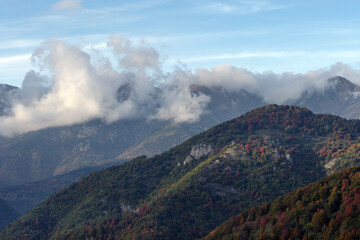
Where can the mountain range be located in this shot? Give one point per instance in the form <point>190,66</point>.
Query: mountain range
<point>187,191</point>
<point>48,152</point>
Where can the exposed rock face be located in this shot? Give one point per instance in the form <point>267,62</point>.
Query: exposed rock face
<point>198,151</point>
<point>329,165</point>
<point>235,152</point>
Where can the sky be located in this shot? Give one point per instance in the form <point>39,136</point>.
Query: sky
<point>259,35</point>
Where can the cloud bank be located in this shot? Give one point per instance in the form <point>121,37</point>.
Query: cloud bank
<point>69,5</point>
<point>74,86</point>
<point>80,87</point>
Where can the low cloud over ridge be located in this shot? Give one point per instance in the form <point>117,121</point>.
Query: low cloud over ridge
<point>79,87</point>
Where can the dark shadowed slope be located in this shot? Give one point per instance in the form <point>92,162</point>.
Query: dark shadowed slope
<point>7,214</point>
<point>25,197</point>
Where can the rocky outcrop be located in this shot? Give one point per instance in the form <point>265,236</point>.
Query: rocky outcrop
<point>198,151</point>
<point>235,152</point>
<point>329,165</point>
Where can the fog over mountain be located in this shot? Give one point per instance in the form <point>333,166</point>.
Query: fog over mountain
<point>74,86</point>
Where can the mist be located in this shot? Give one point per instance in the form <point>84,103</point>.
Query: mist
<point>73,86</point>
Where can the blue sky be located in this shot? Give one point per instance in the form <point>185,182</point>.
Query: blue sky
<point>260,35</point>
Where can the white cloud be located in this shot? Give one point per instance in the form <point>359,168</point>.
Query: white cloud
<point>177,102</point>
<point>74,86</point>
<point>274,88</point>
<point>81,87</point>
<point>242,7</point>
<point>275,54</point>
<point>228,77</point>
<point>70,5</point>
<point>259,6</point>
<point>219,7</point>
<point>4,45</point>
<point>17,58</point>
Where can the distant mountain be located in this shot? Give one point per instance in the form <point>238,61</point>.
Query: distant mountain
<point>327,209</point>
<point>7,214</point>
<point>48,152</point>
<point>25,197</point>
<point>340,97</point>
<point>187,191</point>
<point>7,92</point>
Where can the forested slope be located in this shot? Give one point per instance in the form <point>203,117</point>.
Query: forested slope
<point>186,192</point>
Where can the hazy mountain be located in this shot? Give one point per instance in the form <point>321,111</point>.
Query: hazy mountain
<point>54,151</point>
<point>7,214</point>
<point>25,197</point>
<point>186,192</point>
<point>48,152</point>
<point>340,97</point>
<point>327,209</point>
<point>7,92</point>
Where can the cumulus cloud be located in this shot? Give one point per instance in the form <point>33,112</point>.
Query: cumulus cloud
<point>177,100</point>
<point>80,87</point>
<point>228,77</point>
<point>69,5</point>
<point>74,86</point>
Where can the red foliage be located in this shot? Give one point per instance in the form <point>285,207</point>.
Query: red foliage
<point>345,184</point>
<point>323,152</point>
<point>262,150</point>
<point>248,147</point>
<point>263,221</point>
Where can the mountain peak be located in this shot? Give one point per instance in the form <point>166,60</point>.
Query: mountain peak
<point>343,84</point>
<point>6,87</point>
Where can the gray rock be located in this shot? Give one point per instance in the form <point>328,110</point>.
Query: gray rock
<point>198,151</point>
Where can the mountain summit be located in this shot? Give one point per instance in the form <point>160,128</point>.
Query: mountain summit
<point>340,97</point>
<point>343,85</point>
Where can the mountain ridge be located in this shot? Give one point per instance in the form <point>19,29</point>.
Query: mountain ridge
<point>186,192</point>
<point>96,143</point>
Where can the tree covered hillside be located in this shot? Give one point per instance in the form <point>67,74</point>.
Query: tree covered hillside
<point>187,191</point>
<point>327,209</point>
